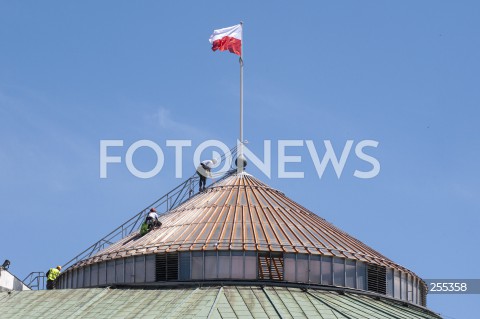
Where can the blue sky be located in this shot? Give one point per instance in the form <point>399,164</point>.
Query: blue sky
<point>404,74</point>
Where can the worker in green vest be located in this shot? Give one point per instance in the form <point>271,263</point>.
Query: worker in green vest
<point>52,275</point>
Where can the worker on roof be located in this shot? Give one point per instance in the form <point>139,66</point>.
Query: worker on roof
<point>152,219</point>
<point>204,170</point>
<point>52,275</point>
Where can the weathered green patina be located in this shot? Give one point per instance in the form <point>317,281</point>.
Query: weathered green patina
<point>206,302</point>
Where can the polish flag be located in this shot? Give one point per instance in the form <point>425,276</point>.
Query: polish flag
<point>227,39</point>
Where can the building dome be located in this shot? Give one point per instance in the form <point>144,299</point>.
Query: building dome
<point>241,229</point>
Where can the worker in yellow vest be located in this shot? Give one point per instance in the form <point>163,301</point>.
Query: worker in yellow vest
<point>52,275</point>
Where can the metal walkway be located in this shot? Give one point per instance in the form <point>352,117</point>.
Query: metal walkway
<point>164,204</point>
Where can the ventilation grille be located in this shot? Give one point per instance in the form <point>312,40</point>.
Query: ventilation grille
<point>270,266</point>
<point>377,279</point>
<point>166,267</point>
<point>423,295</point>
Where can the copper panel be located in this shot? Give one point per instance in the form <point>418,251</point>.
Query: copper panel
<point>242,213</point>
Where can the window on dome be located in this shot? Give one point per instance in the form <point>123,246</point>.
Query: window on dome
<point>184,264</point>
<point>150,268</point>
<point>197,265</point>
<point>350,273</point>
<point>94,274</point>
<point>361,276</point>
<point>237,264</point>
<point>80,278</point>
<point>302,268</point>
<point>403,281</point>
<point>224,264</point>
<point>338,271</point>
<point>409,288</point>
<point>102,273</point>
<point>270,266</point>
<point>74,280</point>
<point>415,289</point>
<point>211,264</point>
<point>119,269</point>
<point>422,295</point>
<point>166,267</point>
<point>390,282</point>
<point>326,270</point>
<point>396,284</point>
<point>140,269</point>
<point>129,270</point>
<point>376,278</point>
<point>315,273</point>
<point>86,276</point>
<point>289,260</point>
<point>110,271</point>
<point>251,265</point>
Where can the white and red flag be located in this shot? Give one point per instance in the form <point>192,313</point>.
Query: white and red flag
<point>227,39</point>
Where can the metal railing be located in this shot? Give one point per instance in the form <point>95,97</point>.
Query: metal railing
<point>35,280</point>
<point>166,203</point>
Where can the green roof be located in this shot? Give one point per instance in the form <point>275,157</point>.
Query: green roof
<point>207,302</point>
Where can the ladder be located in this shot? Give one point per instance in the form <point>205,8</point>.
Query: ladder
<point>166,203</point>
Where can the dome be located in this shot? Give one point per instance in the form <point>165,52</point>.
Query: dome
<point>204,302</point>
<point>241,229</point>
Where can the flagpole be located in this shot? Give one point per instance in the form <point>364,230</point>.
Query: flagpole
<point>241,167</point>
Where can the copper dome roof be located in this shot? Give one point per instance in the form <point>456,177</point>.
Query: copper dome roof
<point>242,213</point>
